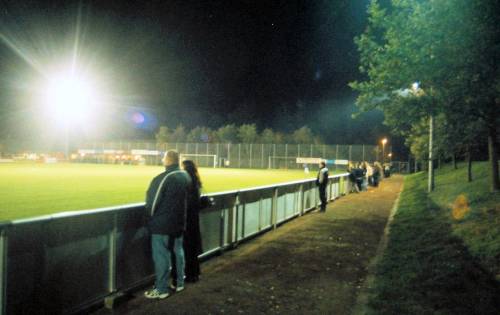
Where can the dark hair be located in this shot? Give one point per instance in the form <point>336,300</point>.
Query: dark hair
<point>192,170</point>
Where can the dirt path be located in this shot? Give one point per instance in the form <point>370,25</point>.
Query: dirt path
<point>315,264</point>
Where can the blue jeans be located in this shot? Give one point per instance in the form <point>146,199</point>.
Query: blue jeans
<point>162,261</point>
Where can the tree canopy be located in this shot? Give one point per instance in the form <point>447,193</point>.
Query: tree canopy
<point>448,50</point>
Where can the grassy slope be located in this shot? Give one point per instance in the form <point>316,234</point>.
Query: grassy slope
<point>480,227</point>
<point>426,268</point>
<point>36,189</point>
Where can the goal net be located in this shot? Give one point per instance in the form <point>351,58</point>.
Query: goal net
<point>283,162</point>
<point>201,160</point>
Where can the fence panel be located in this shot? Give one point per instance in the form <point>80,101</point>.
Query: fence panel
<point>133,263</point>
<point>58,264</point>
<point>53,268</point>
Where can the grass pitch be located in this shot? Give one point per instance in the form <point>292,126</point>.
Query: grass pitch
<point>28,190</point>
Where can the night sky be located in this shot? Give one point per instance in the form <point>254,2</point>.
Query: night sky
<point>279,64</point>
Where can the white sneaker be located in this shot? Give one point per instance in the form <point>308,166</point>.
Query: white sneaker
<point>155,294</point>
<point>176,289</point>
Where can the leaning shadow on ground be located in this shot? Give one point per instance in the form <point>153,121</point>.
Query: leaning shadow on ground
<point>425,269</point>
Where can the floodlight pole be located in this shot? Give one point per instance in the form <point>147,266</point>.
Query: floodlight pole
<point>66,140</point>
<point>383,152</point>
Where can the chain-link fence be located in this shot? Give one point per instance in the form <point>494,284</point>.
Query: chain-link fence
<point>237,155</point>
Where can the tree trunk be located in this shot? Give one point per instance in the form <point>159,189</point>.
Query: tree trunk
<point>454,159</point>
<point>469,164</point>
<point>439,162</point>
<point>493,157</point>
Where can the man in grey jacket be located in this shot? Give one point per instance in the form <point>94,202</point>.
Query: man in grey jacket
<point>166,203</point>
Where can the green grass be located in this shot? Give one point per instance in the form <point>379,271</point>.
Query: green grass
<point>427,267</point>
<point>480,227</point>
<point>28,190</point>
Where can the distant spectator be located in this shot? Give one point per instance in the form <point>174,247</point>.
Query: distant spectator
<point>387,170</point>
<point>377,173</point>
<point>359,173</point>
<point>364,179</point>
<point>369,173</point>
<point>322,182</point>
<point>166,202</point>
<point>352,177</point>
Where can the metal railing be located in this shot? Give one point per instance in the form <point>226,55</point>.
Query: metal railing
<point>67,262</point>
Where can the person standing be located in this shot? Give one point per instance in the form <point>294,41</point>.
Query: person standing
<point>322,182</point>
<point>166,200</point>
<point>352,177</point>
<point>192,236</point>
<point>359,174</point>
<point>377,173</point>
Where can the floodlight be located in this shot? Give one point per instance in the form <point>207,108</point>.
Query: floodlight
<point>70,98</point>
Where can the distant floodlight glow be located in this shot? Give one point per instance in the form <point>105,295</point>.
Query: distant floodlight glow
<point>70,98</point>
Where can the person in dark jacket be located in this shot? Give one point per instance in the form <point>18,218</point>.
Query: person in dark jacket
<point>192,235</point>
<point>352,177</point>
<point>166,200</point>
<point>377,173</point>
<point>322,182</point>
<point>359,175</point>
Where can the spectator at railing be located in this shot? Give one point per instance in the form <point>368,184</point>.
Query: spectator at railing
<point>166,202</point>
<point>322,182</point>
<point>359,175</point>
<point>192,235</point>
<point>369,173</point>
<point>364,179</point>
<point>352,177</point>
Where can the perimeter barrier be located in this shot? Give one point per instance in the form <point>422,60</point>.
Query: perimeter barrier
<point>71,261</point>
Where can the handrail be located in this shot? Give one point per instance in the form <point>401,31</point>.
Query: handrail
<point>111,209</point>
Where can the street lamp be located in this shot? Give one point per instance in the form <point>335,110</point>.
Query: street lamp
<point>384,141</point>
<point>418,92</point>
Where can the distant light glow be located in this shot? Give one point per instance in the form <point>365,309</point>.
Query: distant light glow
<point>138,118</point>
<point>384,141</point>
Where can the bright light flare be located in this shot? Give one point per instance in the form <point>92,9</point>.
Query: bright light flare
<point>71,98</point>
